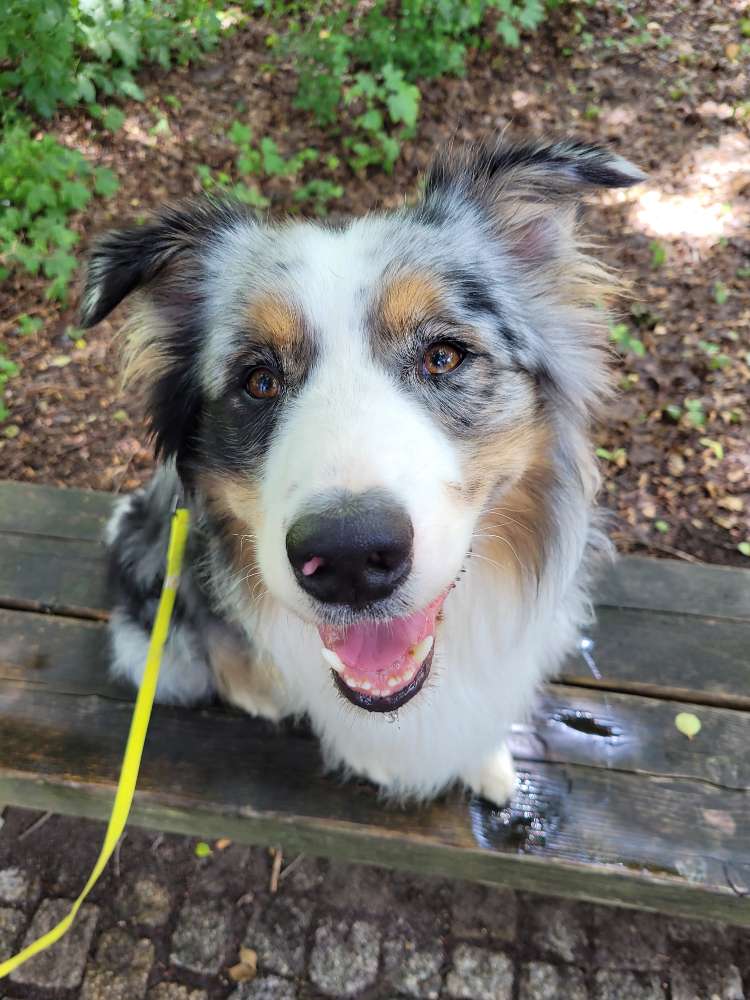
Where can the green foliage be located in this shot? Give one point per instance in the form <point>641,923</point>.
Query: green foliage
<point>367,59</point>
<point>715,355</point>
<point>619,333</point>
<point>264,159</point>
<point>658,254</point>
<point>720,292</point>
<point>41,184</point>
<point>8,369</point>
<point>61,52</point>
<point>695,413</point>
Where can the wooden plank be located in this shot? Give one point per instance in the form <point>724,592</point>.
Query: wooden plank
<point>596,832</point>
<point>65,576</point>
<point>27,508</point>
<point>679,587</point>
<point>61,654</point>
<point>633,582</point>
<point>569,724</point>
<point>688,659</point>
<point>683,657</point>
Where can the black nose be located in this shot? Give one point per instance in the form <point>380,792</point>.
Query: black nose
<point>354,551</point>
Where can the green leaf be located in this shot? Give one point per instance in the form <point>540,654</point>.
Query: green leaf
<point>509,33</point>
<point>744,548</point>
<point>113,118</point>
<point>240,134</point>
<point>721,292</point>
<point>131,89</point>
<point>76,194</point>
<point>105,182</point>
<point>403,103</point>
<point>661,526</point>
<point>715,446</point>
<point>203,850</point>
<point>688,724</point>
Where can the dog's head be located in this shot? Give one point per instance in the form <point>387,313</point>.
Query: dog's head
<point>360,405</point>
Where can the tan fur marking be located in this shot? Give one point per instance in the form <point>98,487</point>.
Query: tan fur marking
<point>277,320</point>
<point>144,359</point>
<point>237,505</point>
<point>407,300</point>
<point>250,683</point>
<point>514,525</point>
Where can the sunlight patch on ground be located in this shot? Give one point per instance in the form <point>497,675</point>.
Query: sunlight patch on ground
<point>713,201</point>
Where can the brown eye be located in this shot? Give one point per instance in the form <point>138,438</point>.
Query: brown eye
<point>262,384</point>
<point>439,359</point>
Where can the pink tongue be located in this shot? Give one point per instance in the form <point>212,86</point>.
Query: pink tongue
<point>372,648</point>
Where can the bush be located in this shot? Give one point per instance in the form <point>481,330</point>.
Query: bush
<point>64,52</point>
<point>370,58</point>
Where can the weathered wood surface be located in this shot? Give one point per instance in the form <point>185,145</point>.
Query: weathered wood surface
<point>615,804</point>
<point>664,839</point>
<point>634,582</point>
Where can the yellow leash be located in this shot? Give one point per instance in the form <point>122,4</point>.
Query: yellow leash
<point>136,738</point>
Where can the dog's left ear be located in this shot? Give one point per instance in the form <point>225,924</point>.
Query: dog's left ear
<point>125,260</point>
<point>528,191</point>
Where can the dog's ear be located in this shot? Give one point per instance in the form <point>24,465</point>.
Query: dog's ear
<point>124,260</point>
<point>163,260</point>
<point>527,190</point>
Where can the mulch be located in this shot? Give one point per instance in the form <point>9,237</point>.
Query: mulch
<point>666,84</point>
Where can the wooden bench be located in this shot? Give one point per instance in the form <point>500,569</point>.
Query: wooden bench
<point>615,804</point>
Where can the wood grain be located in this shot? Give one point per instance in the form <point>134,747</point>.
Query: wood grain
<point>678,843</point>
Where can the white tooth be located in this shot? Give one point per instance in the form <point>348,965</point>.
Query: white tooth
<point>333,660</point>
<point>349,680</point>
<point>393,681</point>
<point>366,686</point>
<point>422,650</point>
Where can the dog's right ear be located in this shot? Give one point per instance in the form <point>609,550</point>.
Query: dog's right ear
<point>128,259</point>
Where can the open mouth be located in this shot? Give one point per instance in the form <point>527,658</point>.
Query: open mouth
<point>379,666</point>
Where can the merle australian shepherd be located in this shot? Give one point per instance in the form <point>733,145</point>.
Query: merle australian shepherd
<point>382,429</point>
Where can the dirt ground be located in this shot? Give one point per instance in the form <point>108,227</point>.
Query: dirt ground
<point>666,84</point>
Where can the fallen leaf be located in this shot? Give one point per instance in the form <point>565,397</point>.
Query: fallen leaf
<point>688,724</point>
<point>61,361</point>
<point>241,973</point>
<point>249,956</point>
<point>247,967</point>
<point>223,843</point>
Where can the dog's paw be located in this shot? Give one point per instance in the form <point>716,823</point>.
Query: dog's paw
<point>496,779</point>
<point>255,686</point>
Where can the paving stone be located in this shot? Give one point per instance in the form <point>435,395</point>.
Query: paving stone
<point>411,968</point>
<point>715,942</point>
<point>344,958</point>
<point>12,922</point>
<point>610,985</point>
<point>707,983</point>
<point>277,931</point>
<point>477,974</point>
<point>627,939</point>
<point>265,988</point>
<point>558,929</point>
<point>19,887</point>
<point>61,966</point>
<point>147,902</point>
<point>307,875</point>
<point>483,912</point>
<point>201,939</point>
<point>357,887</point>
<point>541,981</point>
<point>174,991</point>
<point>121,968</point>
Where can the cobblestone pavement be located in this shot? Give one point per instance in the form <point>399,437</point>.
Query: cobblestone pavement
<point>164,924</point>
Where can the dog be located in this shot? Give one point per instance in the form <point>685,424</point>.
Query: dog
<point>382,430</point>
